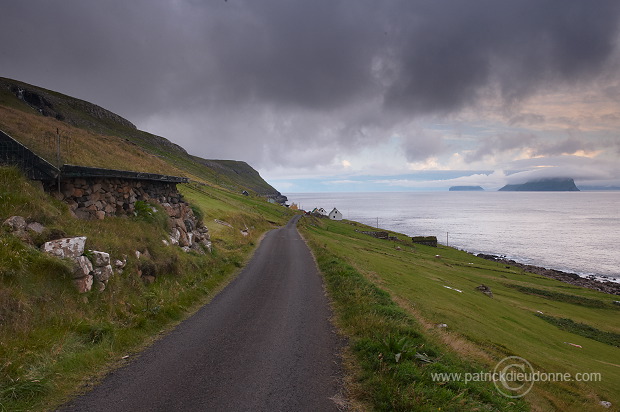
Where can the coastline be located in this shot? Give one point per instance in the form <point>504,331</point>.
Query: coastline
<point>609,287</point>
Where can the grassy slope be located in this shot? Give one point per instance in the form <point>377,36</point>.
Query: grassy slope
<point>480,329</point>
<point>53,340</point>
<point>112,142</point>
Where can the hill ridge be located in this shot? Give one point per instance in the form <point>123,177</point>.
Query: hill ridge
<point>22,97</point>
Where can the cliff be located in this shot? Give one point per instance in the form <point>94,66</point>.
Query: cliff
<point>543,185</point>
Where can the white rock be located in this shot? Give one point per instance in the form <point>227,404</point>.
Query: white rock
<point>165,242</point>
<point>71,247</point>
<point>82,267</point>
<point>103,274</point>
<point>605,404</point>
<point>120,264</point>
<point>100,258</point>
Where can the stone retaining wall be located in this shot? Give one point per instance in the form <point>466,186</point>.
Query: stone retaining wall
<point>96,198</point>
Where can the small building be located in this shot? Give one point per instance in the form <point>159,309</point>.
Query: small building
<point>318,212</point>
<point>335,214</point>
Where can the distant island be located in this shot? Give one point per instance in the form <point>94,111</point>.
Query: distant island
<point>466,189</point>
<point>558,184</point>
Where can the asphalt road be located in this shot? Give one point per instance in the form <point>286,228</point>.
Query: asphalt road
<point>265,343</point>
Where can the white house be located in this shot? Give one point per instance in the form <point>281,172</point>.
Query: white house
<point>335,214</point>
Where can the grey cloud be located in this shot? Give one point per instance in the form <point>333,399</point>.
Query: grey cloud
<point>500,143</point>
<point>420,144</point>
<point>339,73</point>
<point>568,146</point>
<point>527,119</point>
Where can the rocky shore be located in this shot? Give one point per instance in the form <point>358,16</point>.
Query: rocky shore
<point>572,278</point>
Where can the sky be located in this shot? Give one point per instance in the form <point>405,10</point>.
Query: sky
<point>345,95</point>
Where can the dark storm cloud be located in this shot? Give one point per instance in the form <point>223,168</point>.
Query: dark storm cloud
<point>355,68</point>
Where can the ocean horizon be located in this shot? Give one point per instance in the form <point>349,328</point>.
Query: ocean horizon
<point>576,232</point>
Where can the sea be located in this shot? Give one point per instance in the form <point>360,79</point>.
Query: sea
<point>577,232</point>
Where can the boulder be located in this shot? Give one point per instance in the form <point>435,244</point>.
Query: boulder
<point>120,264</point>
<point>82,267</point>
<point>103,274</point>
<point>100,258</point>
<point>15,224</point>
<point>485,289</point>
<point>84,284</point>
<point>65,248</point>
<point>35,227</point>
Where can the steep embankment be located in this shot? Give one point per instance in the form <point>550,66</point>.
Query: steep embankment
<point>94,136</point>
<point>55,340</point>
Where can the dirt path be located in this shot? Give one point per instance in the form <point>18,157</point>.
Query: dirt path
<point>264,343</point>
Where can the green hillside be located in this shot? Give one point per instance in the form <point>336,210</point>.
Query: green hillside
<point>94,136</point>
<point>427,303</point>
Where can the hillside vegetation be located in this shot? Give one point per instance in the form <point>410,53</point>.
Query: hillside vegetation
<point>54,341</point>
<point>93,136</point>
<point>420,301</point>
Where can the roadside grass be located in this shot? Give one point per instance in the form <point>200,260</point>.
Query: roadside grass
<point>425,282</point>
<point>395,360</point>
<point>54,341</point>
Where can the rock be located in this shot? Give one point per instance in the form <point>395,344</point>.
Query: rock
<point>189,224</point>
<point>175,235</point>
<point>208,245</point>
<point>196,248</point>
<point>100,286</point>
<point>100,258</point>
<point>15,224</point>
<point>165,242</point>
<point>103,274</point>
<point>120,264</point>
<point>186,249</point>
<point>442,325</point>
<point>35,227</point>
<point>82,267</point>
<point>84,284</point>
<point>100,214</point>
<point>485,289</point>
<point>221,222</point>
<point>71,247</point>
<point>183,239</point>
<point>605,404</point>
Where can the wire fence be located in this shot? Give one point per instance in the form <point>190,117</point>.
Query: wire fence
<point>14,153</point>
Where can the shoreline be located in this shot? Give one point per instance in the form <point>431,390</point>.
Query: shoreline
<point>609,287</point>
